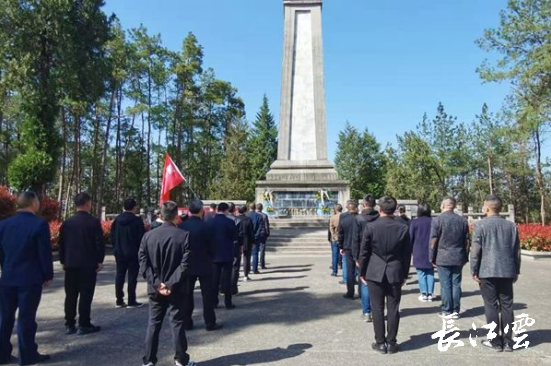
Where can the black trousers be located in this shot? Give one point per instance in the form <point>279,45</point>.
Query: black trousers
<point>80,284</point>
<point>247,255</point>
<point>238,252</point>
<point>350,273</point>
<point>206,292</point>
<point>222,282</point>
<point>124,267</point>
<point>159,306</point>
<point>26,299</point>
<point>379,293</point>
<point>498,298</point>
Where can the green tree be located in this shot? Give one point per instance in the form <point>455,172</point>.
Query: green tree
<point>360,160</point>
<point>262,150</point>
<point>235,167</point>
<point>523,39</point>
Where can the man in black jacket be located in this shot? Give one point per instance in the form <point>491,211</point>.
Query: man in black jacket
<point>126,235</point>
<point>81,252</point>
<point>384,261</point>
<point>224,233</point>
<point>347,231</point>
<point>200,266</point>
<point>259,228</point>
<point>246,240</point>
<point>164,263</point>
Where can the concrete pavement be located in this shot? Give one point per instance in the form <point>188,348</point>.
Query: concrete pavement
<point>294,314</point>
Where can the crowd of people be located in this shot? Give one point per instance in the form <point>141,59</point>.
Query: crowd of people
<point>376,246</point>
<point>172,256</point>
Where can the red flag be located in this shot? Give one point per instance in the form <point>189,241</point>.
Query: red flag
<point>172,177</point>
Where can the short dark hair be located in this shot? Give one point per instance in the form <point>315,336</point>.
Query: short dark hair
<point>130,204</point>
<point>353,205</point>
<point>388,205</point>
<point>223,207</point>
<point>252,206</point>
<point>423,209</point>
<point>231,207</point>
<point>259,206</point>
<point>81,199</point>
<point>213,206</point>
<point>169,211</point>
<point>494,202</point>
<point>242,209</point>
<point>369,201</point>
<point>402,209</point>
<point>26,199</point>
<point>452,200</point>
<point>195,207</point>
<point>338,207</point>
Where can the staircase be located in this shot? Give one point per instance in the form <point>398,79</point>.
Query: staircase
<point>299,237</point>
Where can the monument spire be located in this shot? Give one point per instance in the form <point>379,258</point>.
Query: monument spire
<point>302,167</point>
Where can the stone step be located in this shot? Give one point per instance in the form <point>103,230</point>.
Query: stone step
<point>297,248</point>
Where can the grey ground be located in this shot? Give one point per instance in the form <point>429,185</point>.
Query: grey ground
<point>293,314</point>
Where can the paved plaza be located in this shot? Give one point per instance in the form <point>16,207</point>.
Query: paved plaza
<point>294,314</point>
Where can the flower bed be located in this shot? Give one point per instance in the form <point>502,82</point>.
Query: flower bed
<point>535,237</point>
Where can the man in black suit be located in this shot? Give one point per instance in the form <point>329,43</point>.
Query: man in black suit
<point>384,261</point>
<point>26,261</point>
<point>347,233</point>
<point>246,240</point>
<point>259,228</point>
<point>81,252</point>
<point>200,266</point>
<point>126,235</point>
<point>237,251</point>
<point>210,215</point>
<point>224,231</point>
<point>164,263</point>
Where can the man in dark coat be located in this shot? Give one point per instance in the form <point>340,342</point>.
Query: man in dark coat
<point>81,252</point>
<point>384,261</point>
<point>402,215</point>
<point>237,251</point>
<point>264,239</point>
<point>164,263</point>
<point>449,245</point>
<point>126,235</point>
<point>26,261</point>
<point>259,228</point>
<point>347,233</point>
<point>495,265</point>
<point>201,253</point>
<point>210,215</point>
<point>246,240</point>
<point>224,233</point>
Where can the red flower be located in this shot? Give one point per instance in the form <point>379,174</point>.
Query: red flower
<point>7,203</point>
<point>535,237</point>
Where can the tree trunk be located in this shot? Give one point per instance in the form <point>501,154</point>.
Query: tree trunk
<point>103,164</point>
<point>539,173</point>
<point>491,174</point>
<point>62,167</point>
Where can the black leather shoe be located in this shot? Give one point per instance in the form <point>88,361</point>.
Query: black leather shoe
<point>493,346</point>
<point>381,348</point>
<point>70,330</point>
<point>507,347</point>
<point>88,330</point>
<point>346,296</point>
<point>40,359</point>
<point>342,283</point>
<point>392,348</point>
<point>214,327</point>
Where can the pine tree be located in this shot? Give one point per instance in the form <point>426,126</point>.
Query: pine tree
<point>360,160</point>
<point>262,150</point>
<point>233,182</point>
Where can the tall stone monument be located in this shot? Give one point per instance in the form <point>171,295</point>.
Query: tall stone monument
<point>302,168</point>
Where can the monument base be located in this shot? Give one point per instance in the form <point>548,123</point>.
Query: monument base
<point>296,186</point>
